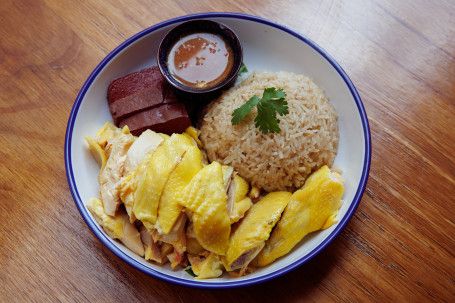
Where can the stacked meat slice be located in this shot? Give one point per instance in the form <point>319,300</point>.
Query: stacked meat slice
<point>143,100</point>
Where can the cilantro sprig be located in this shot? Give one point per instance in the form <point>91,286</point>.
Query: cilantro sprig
<point>271,103</point>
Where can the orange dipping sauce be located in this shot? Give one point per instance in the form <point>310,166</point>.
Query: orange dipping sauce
<point>200,60</point>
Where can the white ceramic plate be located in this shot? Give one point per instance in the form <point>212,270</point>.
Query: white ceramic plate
<point>267,46</point>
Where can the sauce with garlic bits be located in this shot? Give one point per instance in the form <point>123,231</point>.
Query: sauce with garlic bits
<point>200,60</point>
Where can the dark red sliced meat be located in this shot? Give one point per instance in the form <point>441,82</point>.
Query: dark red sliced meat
<point>133,83</point>
<point>167,119</point>
<point>140,101</point>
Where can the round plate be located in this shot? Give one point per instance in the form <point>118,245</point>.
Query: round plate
<point>267,46</point>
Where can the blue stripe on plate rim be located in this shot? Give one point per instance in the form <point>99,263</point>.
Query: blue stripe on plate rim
<point>208,284</point>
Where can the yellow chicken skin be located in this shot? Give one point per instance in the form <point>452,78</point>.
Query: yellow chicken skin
<point>136,161</point>
<point>205,200</point>
<point>128,186</point>
<point>239,210</point>
<point>238,203</point>
<point>194,133</point>
<point>153,180</point>
<point>252,232</point>
<point>106,132</point>
<point>97,152</point>
<point>117,227</point>
<point>311,208</point>
<point>206,267</point>
<point>241,188</point>
<point>192,244</point>
<point>170,208</point>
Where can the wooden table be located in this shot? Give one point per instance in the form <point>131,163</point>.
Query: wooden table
<point>399,245</point>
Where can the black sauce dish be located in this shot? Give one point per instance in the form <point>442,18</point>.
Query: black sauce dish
<point>196,97</point>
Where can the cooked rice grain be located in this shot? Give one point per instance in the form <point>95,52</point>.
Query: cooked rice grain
<point>308,137</point>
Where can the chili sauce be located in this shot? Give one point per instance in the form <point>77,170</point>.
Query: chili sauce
<point>200,60</point>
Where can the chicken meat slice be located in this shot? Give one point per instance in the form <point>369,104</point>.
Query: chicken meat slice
<point>177,238</point>
<point>138,154</point>
<point>205,201</point>
<point>153,180</point>
<point>311,208</point>
<point>166,250</point>
<point>206,266</point>
<point>106,132</point>
<point>238,203</point>
<point>194,133</point>
<point>254,229</point>
<point>97,152</point>
<point>192,244</point>
<point>113,171</point>
<point>117,227</point>
<point>152,249</point>
<point>170,247</point>
<point>147,142</point>
<point>170,207</point>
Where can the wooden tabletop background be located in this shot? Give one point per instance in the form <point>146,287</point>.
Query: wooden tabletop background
<point>399,245</point>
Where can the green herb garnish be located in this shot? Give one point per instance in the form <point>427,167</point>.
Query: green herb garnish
<point>272,102</point>
<point>243,69</point>
<point>190,271</point>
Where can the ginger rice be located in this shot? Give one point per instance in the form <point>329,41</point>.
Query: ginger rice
<point>308,138</point>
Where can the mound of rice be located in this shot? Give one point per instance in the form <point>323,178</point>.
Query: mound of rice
<point>308,137</point>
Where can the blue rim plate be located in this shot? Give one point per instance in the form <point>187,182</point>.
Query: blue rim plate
<point>267,46</point>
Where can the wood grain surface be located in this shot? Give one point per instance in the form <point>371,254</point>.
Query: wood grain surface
<point>399,245</point>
